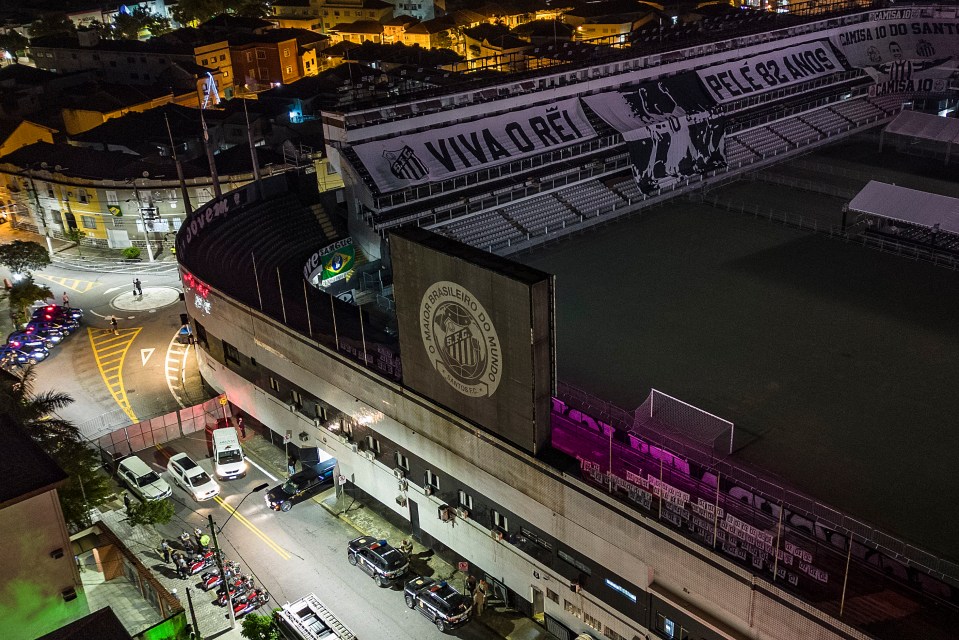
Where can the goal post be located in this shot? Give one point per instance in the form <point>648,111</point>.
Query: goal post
<point>675,416</point>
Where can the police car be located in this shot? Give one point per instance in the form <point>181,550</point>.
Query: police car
<point>446,607</point>
<point>377,558</point>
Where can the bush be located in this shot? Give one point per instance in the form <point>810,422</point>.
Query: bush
<point>146,513</point>
<point>131,253</point>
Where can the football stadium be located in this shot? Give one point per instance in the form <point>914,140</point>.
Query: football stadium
<point>660,339</point>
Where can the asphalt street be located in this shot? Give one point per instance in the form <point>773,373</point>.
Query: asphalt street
<point>297,552</point>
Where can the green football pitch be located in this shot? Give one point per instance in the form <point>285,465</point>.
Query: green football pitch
<point>838,364</point>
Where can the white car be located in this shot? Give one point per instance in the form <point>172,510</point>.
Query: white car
<point>142,480</point>
<point>192,478</point>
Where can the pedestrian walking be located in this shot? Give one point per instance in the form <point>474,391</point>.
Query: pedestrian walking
<point>470,584</point>
<point>126,501</point>
<point>479,601</point>
<point>113,325</point>
<point>165,548</point>
<point>181,568</point>
<point>241,426</point>
<point>138,287</point>
<point>291,464</point>
<point>66,300</point>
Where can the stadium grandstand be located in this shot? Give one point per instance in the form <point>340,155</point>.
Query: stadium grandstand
<point>651,534</point>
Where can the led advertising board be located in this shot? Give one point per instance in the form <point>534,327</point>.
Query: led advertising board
<point>476,334</point>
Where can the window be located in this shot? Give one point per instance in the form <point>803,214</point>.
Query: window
<point>289,69</point>
<point>222,57</point>
<point>286,53</point>
<point>50,191</point>
<point>296,399</point>
<point>372,444</point>
<point>82,195</point>
<point>572,609</point>
<point>592,622</point>
<point>465,499</point>
<point>230,353</point>
<point>665,626</point>
<point>88,222</point>
<point>112,197</point>
<point>274,384</point>
<point>552,595</point>
<point>249,56</point>
<point>432,480</point>
<point>500,521</point>
<point>402,461</point>
<point>612,635</point>
<point>204,63</point>
<point>226,74</point>
<point>260,54</point>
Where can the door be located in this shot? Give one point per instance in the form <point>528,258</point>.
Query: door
<point>414,520</point>
<point>538,605</point>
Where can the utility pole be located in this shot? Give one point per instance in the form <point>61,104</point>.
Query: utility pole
<point>196,627</point>
<point>40,218</point>
<point>217,192</point>
<point>146,232</point>
<point>219,565</point>
<point>187,206</point>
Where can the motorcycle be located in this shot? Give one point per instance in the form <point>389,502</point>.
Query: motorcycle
<point>251,602</point>
<point>201,561</point>
<point>212,578</point>
<point>238,590</point>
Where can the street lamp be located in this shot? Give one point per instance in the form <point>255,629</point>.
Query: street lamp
<point>219,557</point>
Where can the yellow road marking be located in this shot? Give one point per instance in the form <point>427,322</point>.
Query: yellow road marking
<point>80,286</point>
<point>109,358</point>
<point>252,527</point>
<point>246,523</point>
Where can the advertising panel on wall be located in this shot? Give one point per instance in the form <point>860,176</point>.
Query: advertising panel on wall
<point>677,148</point>
<point>766,70</point>
<point>330,264</point>
<point>476,334</point>
<point>445,152</point>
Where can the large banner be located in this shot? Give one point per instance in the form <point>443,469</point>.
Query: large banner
<point>429,156</point>
<point>902,51</point>
<point>672,150</point>
<point>768,70</point>
<point>631,112</point>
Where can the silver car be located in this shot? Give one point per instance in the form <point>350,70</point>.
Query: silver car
<point>142,480</point>
<point>191,477</point>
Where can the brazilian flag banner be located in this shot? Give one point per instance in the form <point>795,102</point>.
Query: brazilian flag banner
<point>338,260</point>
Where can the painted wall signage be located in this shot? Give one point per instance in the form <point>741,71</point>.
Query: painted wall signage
<point>459,336</point>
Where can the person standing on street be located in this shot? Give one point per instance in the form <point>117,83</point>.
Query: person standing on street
<point>66,300</point>
<point>137,287</point>
<point>241,426</point>
<point>479,600</point>
<point>470,584</point>
<point>165,548</point>
<point>113,325</point>
<point>291,464</point>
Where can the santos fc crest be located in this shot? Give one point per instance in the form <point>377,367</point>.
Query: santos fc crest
<point>460,338</point>
<point>405,165</point>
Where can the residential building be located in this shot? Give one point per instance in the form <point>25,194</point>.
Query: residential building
<point>271,58</point>
<point>359,32</point>
<point>16,134</point>
<point>40,588</point>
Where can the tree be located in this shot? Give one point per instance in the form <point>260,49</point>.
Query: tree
<point>130,25</point>
<point>49,24</point>
<point>189,12</point>
<point>259,627</point>
<point>86,487</point>
<point>75,235</point>
<point>151,512</point>
<point>23,257</point>
<point>13,43</point>
<point>23,294</point>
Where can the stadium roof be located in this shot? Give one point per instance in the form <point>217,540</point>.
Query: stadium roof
<point>907,205</point>
<point>926,126</point>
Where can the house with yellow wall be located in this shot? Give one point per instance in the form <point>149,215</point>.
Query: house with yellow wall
<point>21,134</point>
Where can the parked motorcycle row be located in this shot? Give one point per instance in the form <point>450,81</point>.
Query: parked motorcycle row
<point>48,326</point>
<point>238,591</point>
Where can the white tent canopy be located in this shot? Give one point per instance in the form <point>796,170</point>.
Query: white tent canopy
<point>925,126</point>
<point>910,206</point>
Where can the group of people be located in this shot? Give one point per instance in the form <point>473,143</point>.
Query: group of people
<point>479,590</point>
<point>198,543</point>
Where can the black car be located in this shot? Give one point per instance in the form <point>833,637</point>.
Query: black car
<point>301,486</point>
<point>439,602</point>
<point>377,558</point>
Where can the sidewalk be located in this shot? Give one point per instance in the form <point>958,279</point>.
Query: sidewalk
<point>501,620</point>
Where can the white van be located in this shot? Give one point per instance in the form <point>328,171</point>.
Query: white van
<point>228,459</point>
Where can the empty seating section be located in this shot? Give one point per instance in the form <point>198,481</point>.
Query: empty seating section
<point>628,188</point>
<point>795,130</point>
<point>540,214</point>
<point>483,231</point>
<point>859,111</point>
<point>763,141</point>
<point>590,198</point>
<point>825,120</point>
<point>736,153</point>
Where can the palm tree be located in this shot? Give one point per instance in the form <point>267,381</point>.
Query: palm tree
<point>36,413</point>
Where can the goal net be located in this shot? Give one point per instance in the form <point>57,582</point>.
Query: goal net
<point>663,413</point>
